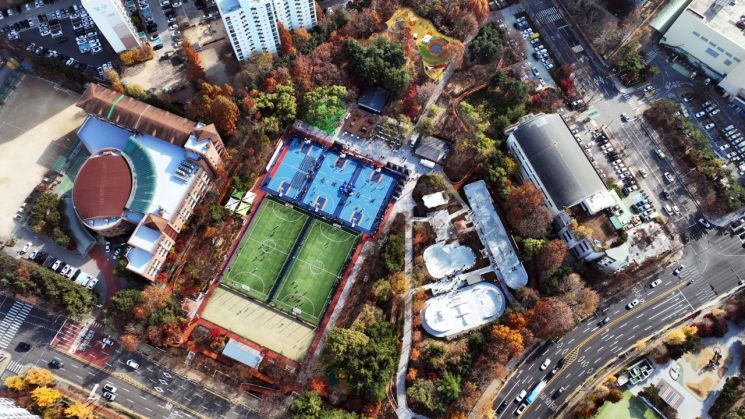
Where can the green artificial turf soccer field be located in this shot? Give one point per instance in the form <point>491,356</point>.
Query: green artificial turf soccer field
<point>264,249</point>
<point>310,279</point>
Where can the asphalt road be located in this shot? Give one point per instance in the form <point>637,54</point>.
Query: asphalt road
<point>714,262</point>
<point>168,395</point>
<point>713,259</point>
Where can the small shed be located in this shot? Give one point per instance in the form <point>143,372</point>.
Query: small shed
<point>433,149</point>
<point>242,353</point>
<point>434,200</point>
<point>373,99</point>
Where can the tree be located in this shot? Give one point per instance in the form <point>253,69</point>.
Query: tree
<point>80,411</point>
<point>487,45</point>
<point>448,387</point>
<point>324,107</point>
<point>45,396</point>
<point>392,253</point>
<point>39,377</point>
<point>129,342</point>
<point>480,9</point>
<point>551,317</point>
<point>281,103</point>
<point>340,340</point>
<point>15,383</point>
<point>422,394</point>
<point>614,395</point>
<point>194,69</point>
<point>465,26</point>
<point>254,70</point>
<point>552,255</point>
<point>410,104</point>
<point>526,212</point>
<point>285,38</point>
<point>307,406</point>
<point>125,300</point>
<point>531,247</point>
<point>224,114</point>
<point>453,51</point>
<point>506,343</point>
<point>381,63</point>
<point>155,298</point>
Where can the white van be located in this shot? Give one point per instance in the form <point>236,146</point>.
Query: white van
<point>427,163</point>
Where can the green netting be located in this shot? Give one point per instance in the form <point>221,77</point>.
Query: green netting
<point>144,174</point>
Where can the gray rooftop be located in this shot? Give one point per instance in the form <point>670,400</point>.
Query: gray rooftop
<point>494,236</point>
<point>432,148</point>
<point>558,160</point>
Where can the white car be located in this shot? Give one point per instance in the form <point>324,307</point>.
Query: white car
<point>709,126</point>
<point>519,411</point>
<point>521,396</point>
<point>678,270</point>
<point>669,177</point>
<point>724,147</point>
<point>676,210</point>
<point>655,283</point>
<point>632,304</point>
<point>25,248</point>
<point>131,363</point>
<point>545,364</point>
<point>56,265</point>
<point>704,223</point>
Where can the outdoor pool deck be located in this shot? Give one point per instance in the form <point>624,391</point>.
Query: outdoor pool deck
<point>330,183</point>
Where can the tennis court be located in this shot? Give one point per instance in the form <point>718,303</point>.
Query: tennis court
<point>264,250</point>
<point>314,271</point>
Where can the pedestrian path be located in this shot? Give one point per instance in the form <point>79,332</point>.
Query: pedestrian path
<point>15,367</point>
<point>12,322</point>
<point>548,15</point>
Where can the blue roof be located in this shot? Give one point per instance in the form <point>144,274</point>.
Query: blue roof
<point>242,353</point>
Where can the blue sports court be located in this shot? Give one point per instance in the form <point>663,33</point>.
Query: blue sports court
<point>330,183</point>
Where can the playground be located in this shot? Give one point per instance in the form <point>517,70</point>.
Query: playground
<point>315,269</point>
<point>428,40</point>
<point>330,183</point>
<point>264,250</point>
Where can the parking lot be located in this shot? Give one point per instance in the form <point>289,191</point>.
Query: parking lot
<point>725,136</point>
<point>538,61</point>
<point>58,29</point>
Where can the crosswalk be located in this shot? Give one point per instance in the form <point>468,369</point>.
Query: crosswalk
<point>15,367</point>
<point>12,322</point>
<point>548,15</point>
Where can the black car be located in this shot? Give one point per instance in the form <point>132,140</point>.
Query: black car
<point>665,195</point>
<point>558,393</point>
<point>23,347</point>
<point>56,364</point>
<point>603,322</point>
<point>502,406</point>
<point>684,237</point>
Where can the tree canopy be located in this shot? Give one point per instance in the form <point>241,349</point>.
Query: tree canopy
<point>381,63</point>
<point>324,107</point>
<point>487,45</point>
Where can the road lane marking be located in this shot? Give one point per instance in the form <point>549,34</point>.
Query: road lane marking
<point>646,304</point>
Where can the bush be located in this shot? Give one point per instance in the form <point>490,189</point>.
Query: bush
<point>726,398</point>
<point>137,55</point>
<point>392,253</point>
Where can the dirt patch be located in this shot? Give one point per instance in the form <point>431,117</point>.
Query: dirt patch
<point>37,125</point>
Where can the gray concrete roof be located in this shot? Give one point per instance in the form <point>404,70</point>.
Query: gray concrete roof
<point>558,160</point>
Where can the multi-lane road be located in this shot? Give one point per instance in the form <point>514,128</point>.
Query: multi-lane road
<point>150,391</point>
<point>714,265</point>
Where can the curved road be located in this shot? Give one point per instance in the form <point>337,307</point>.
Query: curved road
<point>713,261</point>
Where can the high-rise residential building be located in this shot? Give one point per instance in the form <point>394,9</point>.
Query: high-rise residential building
<point>112,19</point>
<point>252,24</point>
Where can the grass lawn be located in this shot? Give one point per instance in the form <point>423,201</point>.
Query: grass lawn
<point>265,248</point>
<point>314,271</point>
<point>421,27</point>
<point>629,407</point>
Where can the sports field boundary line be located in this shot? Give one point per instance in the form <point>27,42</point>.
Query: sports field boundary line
<point>290,258</point>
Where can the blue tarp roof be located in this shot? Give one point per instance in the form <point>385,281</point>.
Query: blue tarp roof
<point>242,353</point>
<point>373,100</point>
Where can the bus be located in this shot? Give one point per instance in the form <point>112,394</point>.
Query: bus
<point>535,392</point>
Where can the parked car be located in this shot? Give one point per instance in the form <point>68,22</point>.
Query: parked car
<point>704,223</point>
<point>131,363</point>
<point>632,304</point>
<point>655,283</point>
<point>26,248</point>
<point>669,177</point>
<point>709,126</point>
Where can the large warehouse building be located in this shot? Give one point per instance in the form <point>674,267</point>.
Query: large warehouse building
<point>146,173</point>
<point>707,33</point>
<point>551,159</point>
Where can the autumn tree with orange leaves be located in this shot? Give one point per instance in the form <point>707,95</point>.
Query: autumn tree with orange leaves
<point>526,212</point>
<point>194,69</point>
<point>285,38</point>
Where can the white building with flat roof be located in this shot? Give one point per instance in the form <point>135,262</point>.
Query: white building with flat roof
<point>112,19</point>
<point>251,25</point>
<point>462,310</point>
<point>707,33</point>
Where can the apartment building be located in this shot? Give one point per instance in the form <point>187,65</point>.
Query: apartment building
<point>112,19</point>
<point>252,24</point>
